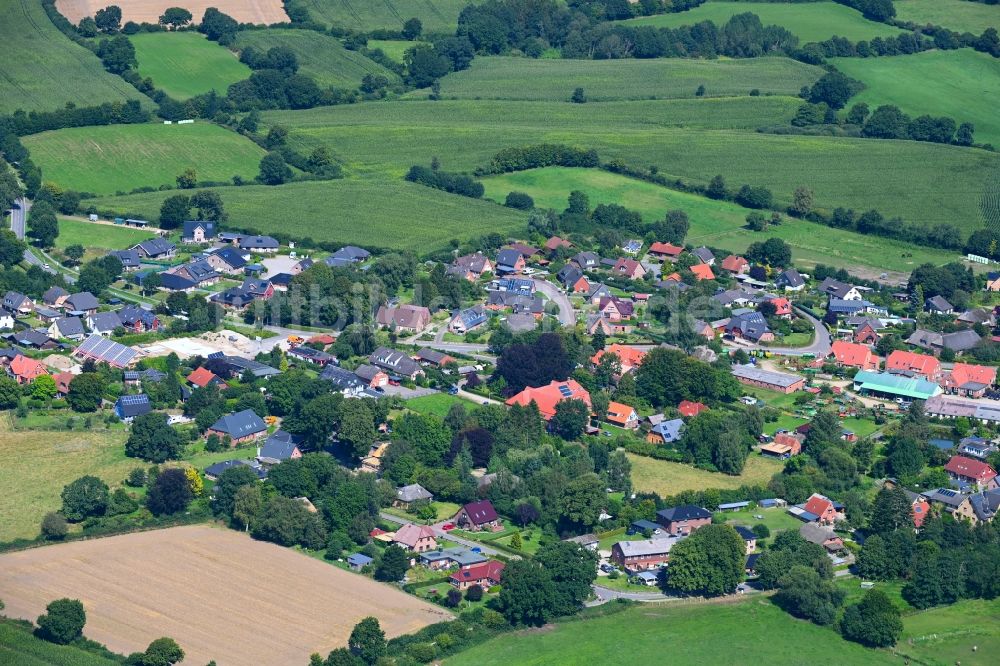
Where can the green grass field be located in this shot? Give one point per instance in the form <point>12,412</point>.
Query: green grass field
<point>185,64</point>
<point>320,56</point>
<point>437,404</point>
<point>669,478</point>
<point>41,70</point>
<point>962,84</point>
<point>19,646</point>
<point>776,519</point>
<point>947,636</point>
<point>377,212</point>
<point>958,15</point>
<point>394,48</point>
<point>36,464</point>
<point>747,631</point>
<point>920,182</point>
<point>435,15</point>
<point>119,158</point>
<point>603,80</point>
<point>810,22</point>
<point>716,223</point>
<point>98,239</point>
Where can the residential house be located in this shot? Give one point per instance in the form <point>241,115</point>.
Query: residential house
<point>992,281</point>
<point>83,302</point>
<point>411,495</point>
<point>344,381</point>
<point>509,261</point>
<point>735,264</point>
<point>839,290</point>
<point>404,318</point>
<point>572,279</point>
<point>513,285</point>
<point>749,326</point>
<point>703,328</point>
<point>241,427</point>
<point>548,396</point>
<point>310,355</point>
<point>912,364</point>
<point>821,535</point>
<point>985,506</point>
<point>227,260</point>
<point>867,331</point>
<point>790,280</point>
<point>26,370</point>
<point>6,320</point>
<point>128,407</point>
<point>516,303</point>
<point>976,447</point>
<point>597,292</point>
<point>176,282</point>
<point>977,316</point>
<point>782,307</point>
<point>104,323</point>
<point>688,408</point>
<point>971,471</point>
<point>586,541</point>
<point>259,244</point>
<point>702,272</point>
<point>471,266</point>
<point>371,376</point>
<point>586,261</point>
<point>938,305</point>
<point>557,243</point>
<point>63,380</point>
<point>684,519</point>
<point>629,358</point>
<point>477,516</point>
<point>45,315</point>
<point>434,357</point>
<point>848,354</point>
<point>69,328</point>
<point>957,341</point>
<point>447,558</point>
<point>818,509</point>
<point>704,255</point>
<point>666,432</point>
<point>622,415</point>
<point>783,446</point>
<point>198,231</point>
<point>749,538</point>
<point>950,500</point>
<point>416,538</point>
<point>18,303</point>
<point>131,261</point>
<point>919,508</point>
<point>396,362</point>
<point>54,297</point>
<point>138,319</point>
<point>137,377</point>
<point>665,251</point>
<point>155,248</point>
<point>616,309</point>
<point>202,377</point>
<point>844,307</point>
<point>629,268</point>
<point>468,319</point>
<point>647,555</point>
<point>971,381</point>
<point>632,246</point>
<point>781,382</point>
<point>485,575</point>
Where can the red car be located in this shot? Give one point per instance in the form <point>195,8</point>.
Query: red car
<point>448,526</point>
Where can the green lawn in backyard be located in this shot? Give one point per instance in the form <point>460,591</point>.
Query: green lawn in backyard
<point>18,645</point>
<point>394,48</point>
<point>373,213</point>
<point>603,80</point>
<point>784,422</point>
<point>114,158</point>
<point>669,478</point>
<point>530,541</point>
<point>437,404</point>
<point>185,64</point>
<point>320,56</point>
<point>42,69</point>
<point>434,15</point>
<point>98,237</point>
<point>776,519</point>
<point>958,15</point>
<point>743,631</point>
<point>693,140</point>
<point>960,84</point>
<point>771,398</point>
<point>719,224</point>
<point>810,22</point>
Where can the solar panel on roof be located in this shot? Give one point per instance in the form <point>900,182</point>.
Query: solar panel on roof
<point>565,391</point>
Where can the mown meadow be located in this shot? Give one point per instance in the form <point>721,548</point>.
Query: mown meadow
<point>185,64</point>
<point>435,15</point>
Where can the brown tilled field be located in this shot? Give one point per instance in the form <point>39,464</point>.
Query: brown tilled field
<point>244,11</point>
<point>217,592</point>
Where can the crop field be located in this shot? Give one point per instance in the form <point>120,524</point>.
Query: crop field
<point>35,465</point>
<point>19,646</point>
<point>810,22</point>
<point>603,80</point>
<point>374,213</point>
<point>962,84</point>
<point>217,592</point>
<point>669,478</point>
<point>185,64</point>
<point>119,158</point>
<point>394,48</point>
<point>716,223</point>
<point>149,11</point>
<point>920,182</point>
<point>320,56</point>
<point>958,15</point>
<point>41,70</point>
<point>98,239</point>
<point>435,15</point>
<point>733,632</point>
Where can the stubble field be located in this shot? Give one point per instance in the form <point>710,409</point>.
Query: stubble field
<point>217,592</point>
<point>244,11</point>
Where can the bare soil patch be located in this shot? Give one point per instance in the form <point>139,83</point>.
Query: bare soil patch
<point>218,593</point>
<point>244,11</point>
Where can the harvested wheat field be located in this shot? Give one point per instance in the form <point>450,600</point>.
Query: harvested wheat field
<point>217,592</point>
<point>244,11</point>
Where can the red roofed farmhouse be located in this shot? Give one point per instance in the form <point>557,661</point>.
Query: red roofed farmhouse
<point>702,272</point>
<point>418,538</point>
<point>823,508</point>
<point>665,250</point>
<point>969,380</point>
<point>689,408</point>
<point>478,516</point>
<point>485,575</point>
<point>547,397</point>
<point>972,471</point>
<point>853,355</point>
<point>735,264</point>
<point>921,365</point>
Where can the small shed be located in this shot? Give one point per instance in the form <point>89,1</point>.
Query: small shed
<point>733,506</point>
<point>358,561</point>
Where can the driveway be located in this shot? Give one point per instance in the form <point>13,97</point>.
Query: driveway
<point>407,393</point>
<point>438,532</point>
<point>567,316</point>
<point>820,346</point>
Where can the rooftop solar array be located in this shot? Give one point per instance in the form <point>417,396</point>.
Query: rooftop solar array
<point>107,351</point>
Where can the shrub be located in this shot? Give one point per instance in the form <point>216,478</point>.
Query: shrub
<point>519,200</point>
<point>474,593</point>
<point>63,621</point>
<point>54,526</point>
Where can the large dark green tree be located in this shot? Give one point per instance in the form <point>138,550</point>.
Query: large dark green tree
<point>804,593</point>
<point>63,621</point>
<point>170,493</point>
<point>85,497</point>
<point>710,562</point>
<point>874,622</point>
<point>367,640</point>
<point>152,438</point>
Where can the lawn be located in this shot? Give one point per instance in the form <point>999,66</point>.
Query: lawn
<point>715,223</point>
<point>737,632</point>
<point>19,646</point>
<point>394,48</point>
<point>962,84</point>
<point>384,213</point>
<point>320,56</point>
<point>98,238</point>
<point>120,158</point>
<point>776,519</point>
<point>437,404</point>
<point>958,15</point>
<point>36,464</point>
<point>810,22</point>
<point>435,15</point>
<point>784,422</point>
<point>947,635</point>
<point>920,182</point>
<point>42,70</point>
<point>603,80</point>
<point>669,478</point>
<point>185,64</point>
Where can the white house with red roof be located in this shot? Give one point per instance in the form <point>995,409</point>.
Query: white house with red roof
<point>854,355</point>
<point>484,575</point>
<point>418,538</point>
<point>818,509</point>
<point>969,470</point>
<point>969,380</point>
<point>910,363</point>
<point>547,397</point>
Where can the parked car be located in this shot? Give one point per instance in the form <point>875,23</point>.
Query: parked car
<point>448,526</point>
